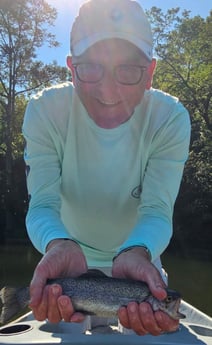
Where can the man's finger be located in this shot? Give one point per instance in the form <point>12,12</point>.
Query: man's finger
<point>36,287</point>
<point>66,308</point>
<point>40,311</point>
<point>123,317</point>
<point>55,291</point>
<point>148,319</point>
<point>166,323</point>
<point>134,319</point>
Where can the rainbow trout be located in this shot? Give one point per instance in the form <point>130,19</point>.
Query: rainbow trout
<point>94,293</point>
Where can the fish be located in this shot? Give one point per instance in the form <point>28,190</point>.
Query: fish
<point>94,293</point>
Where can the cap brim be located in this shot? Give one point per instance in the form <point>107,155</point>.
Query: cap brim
<point>78,48</point>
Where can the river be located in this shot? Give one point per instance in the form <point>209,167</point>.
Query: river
<point>193,278</point>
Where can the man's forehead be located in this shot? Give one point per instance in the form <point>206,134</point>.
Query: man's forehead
<point>113,49</point>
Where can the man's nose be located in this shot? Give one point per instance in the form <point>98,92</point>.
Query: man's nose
<point>108,84</point>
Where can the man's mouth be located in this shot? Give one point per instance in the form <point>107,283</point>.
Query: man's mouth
<point>109,103</point>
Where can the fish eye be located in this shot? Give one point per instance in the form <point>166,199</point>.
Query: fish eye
<point>169,299</point>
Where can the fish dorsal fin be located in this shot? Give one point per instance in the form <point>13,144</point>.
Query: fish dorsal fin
<point>93,273</point>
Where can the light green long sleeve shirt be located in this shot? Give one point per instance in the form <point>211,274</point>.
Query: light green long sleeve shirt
<point>105,188</point>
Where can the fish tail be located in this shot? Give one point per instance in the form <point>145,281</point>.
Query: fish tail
<point>13,300</point>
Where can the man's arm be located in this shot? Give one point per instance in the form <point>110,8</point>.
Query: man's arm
<point>160,184</point>
<point>43,162</point>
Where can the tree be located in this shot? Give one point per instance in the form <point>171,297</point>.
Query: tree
<point>185,55</point>
<point>23,29</point>
<point>184,50</point>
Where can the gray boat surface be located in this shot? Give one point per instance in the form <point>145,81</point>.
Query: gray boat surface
<point>196,329</point>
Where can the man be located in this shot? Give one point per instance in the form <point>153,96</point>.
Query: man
<point>105,159</point>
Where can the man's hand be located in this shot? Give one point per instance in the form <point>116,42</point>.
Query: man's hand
<point>62,259</point>
<point>135,264</point>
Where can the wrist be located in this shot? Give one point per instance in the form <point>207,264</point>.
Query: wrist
<point>57,241</point>
<point>145,249</point>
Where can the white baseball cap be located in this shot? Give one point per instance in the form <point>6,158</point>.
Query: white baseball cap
<point>105,19</point>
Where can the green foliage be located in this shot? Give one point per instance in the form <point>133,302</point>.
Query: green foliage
<point>23,29</point>
<point>23,26</point>
<point>184,50</point>
<point>185,64</point>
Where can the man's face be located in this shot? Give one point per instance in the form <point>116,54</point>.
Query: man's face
<point>108,102</point>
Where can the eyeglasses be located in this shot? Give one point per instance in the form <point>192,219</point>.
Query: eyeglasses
<point>123,74</point>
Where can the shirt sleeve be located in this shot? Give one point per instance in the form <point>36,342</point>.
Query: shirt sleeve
<point>43,160</point>
<point>161,183</point>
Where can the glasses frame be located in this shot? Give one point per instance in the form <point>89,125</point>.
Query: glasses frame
<point>142,69</point>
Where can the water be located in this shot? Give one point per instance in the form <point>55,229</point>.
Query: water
<point>191,277</point>
<point>17,264</point>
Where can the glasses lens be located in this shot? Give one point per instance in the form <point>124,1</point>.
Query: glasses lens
<point>89,73</point>
<point>123,74</point>
<point>129,74</point>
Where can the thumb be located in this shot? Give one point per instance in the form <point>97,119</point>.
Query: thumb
<point>157,287</point>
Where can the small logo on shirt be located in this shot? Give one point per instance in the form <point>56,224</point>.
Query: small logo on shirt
<point>136,192</point>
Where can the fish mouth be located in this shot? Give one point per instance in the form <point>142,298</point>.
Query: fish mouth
<point>176,310</point>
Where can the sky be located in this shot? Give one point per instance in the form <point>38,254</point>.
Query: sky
<point>68,9</point>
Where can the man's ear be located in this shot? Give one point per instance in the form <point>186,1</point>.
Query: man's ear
<point>70,67</point>
<point>150,72</point>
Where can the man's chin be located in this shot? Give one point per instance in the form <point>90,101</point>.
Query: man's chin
<point>109,121</point>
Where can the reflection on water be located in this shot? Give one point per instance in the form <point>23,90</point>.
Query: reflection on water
<point>191,277</point>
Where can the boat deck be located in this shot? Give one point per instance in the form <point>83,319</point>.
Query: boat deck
<point>195,330</point>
